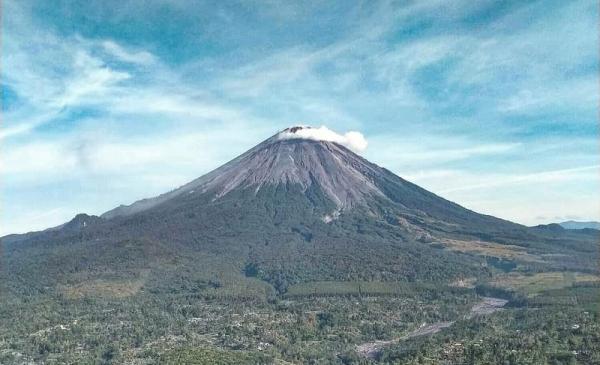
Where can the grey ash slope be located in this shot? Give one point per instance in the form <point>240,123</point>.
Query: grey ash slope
<point>343,175</point>
<point>287,211</point>
<point>346,179</point>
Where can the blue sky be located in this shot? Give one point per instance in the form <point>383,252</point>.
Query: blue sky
<point>492,104</point>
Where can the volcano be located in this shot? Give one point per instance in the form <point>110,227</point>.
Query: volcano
<point>307,168</point>
<point>293,209</point>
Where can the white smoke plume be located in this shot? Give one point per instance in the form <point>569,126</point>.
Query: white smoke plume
<point>353,140</point>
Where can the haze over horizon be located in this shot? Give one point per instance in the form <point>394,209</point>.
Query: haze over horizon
<point>492,106</point>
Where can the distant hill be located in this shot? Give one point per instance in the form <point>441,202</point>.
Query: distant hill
<point>580,225</point>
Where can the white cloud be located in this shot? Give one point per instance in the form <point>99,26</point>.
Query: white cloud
<point>138,57</point>
<point>99,153</point>
<point>35,220</point>
<point>70,76</point>
<point>92,79</point>
<point>25,124</point>
<point>39,158</point>
<point>352,139</point>
<point>576,92</point>
<point>527,198</point>
<point>177,104</point>
<point>576,173</point>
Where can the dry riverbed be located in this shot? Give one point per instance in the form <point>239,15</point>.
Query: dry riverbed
<point>488,305</point>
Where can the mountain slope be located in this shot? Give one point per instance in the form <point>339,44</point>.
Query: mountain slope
<point>289,210</point>
<point>346,179</point>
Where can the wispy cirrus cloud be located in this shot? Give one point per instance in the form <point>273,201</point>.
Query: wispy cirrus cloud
<point>515,195</point>
<point>131,56</point>
<point>589,173</point>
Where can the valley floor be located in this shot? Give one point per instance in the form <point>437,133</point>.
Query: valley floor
<point>448,325</point>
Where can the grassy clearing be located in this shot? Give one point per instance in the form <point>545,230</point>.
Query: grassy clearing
<point>103,288</point>
<point>240,288</point>
<point>364,288</point>
<point>332,288</point>
<point>483,248</point>
<point>585,297</point>
<point>533,284</point>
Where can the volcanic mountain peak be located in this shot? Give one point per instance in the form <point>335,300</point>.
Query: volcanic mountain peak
<point>295,129</point>
<point>326,177</point>
<point>352,140</point>
<point>300,155</point>
<point>341,174</point>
